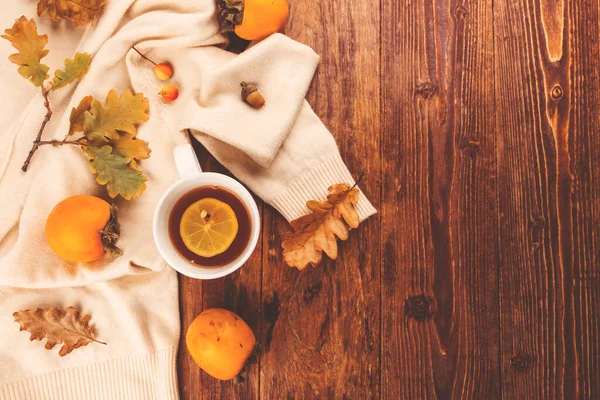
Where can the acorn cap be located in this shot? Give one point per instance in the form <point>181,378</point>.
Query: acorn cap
<point>247,90</point>
<point>252,96</point>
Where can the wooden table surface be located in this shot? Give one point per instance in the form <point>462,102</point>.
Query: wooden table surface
<point>477,126</point>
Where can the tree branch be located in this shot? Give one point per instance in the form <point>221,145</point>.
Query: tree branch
<point>36,143</point>
<point>78,142</point>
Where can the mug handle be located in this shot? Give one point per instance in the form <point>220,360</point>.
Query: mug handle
<point>186,161</point>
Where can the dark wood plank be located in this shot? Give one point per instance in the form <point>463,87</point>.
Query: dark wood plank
<point>548,154</point>
<point>583,167</point>
<point>533,297</point>
<point>320,335</point>
<point>439,210</point>
<point>238,292</point>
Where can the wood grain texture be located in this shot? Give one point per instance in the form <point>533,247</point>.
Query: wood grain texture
<point>439,208</point>
<point>533,160</point>
<point>321,332</point>
<point>476,124</point>
<point>548,153</point>
<point>583,143</point>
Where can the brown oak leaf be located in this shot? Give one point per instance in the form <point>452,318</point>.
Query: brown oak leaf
<point>316,232</point>
<point>81,12</point>
<point>67,327</point>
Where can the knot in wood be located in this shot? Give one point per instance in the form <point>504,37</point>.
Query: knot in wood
<point>520,362</point>
<point>557,92</point>
<point>311,292</point>
<point>460,12</point>
<point>271,309</point>
<point>537,230</point>
<point>470,146</point>
<point>418,307</point>
<point>426,89</point>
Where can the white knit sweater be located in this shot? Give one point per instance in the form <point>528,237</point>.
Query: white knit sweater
<point>282,152</point>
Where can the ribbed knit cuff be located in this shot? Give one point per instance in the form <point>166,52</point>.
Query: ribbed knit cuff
<point>313,185</point>
<point>152,376</point>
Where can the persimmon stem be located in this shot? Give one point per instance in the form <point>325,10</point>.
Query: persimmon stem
<point>143,56</point>
<point>38,138</point>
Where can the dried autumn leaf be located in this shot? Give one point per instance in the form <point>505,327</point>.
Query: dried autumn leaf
<point>77,115</point>
<point>67,327</point>
<point>24,37</point>
<point>81,12</point>
<point>316,232</point>
<point>74,69</point>
<point>115,172</point>
<point>119,113</point>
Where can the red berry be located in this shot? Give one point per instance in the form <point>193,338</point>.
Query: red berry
<point>169,93</point>
<point>163,71</point>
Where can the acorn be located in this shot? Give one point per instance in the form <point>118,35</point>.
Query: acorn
<point>169,93</point>
<point>163,71</point>
<point>252,96</point>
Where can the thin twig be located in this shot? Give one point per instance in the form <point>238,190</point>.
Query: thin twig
<point>362,175</point>
<point>78,142</point>
<point>36,143</point>
<point>143,56</point>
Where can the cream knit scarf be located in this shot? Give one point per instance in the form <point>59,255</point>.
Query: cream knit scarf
<point>283,153</point>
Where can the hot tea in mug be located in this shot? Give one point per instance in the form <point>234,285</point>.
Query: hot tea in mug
<point>206,225</point>
<point>210,226</point>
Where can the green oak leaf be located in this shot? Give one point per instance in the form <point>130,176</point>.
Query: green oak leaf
<point>119,113</point>
<point>115,172</point>
<point>74,69</point>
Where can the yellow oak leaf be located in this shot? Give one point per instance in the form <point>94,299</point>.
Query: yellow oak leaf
<point>74,69</point>
<point>24,37</point>
<point>316,232</point>
<point>114,171</point>
<point>81,12</point>
<point>67,327</point>
<point>128,146</point>
<point>78,113</point>
<point>119,113</point>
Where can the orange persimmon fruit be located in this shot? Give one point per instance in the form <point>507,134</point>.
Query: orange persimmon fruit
<point>75,228</point>
<point>262,18</point>
<point>220,342</point>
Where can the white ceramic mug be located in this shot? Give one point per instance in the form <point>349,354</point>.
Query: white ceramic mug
<point>192,177</point>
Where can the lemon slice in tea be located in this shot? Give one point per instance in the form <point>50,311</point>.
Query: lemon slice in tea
<point>208,227</point>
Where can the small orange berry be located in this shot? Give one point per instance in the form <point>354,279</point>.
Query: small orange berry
<point>169,93</point>
<point>163,71</point>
